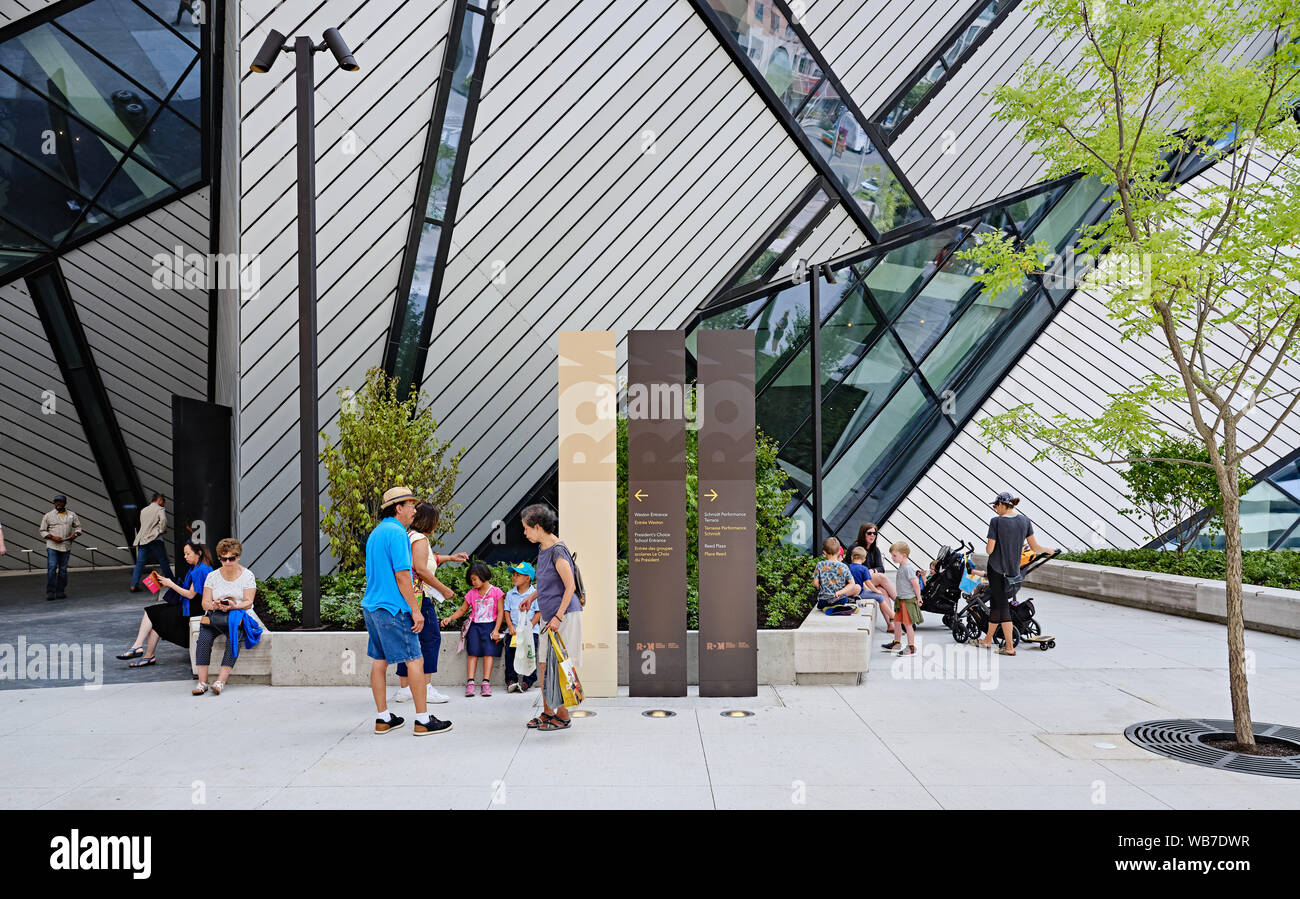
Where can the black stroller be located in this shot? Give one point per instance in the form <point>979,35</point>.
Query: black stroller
<point>972,621</point>
<point>942,592</point>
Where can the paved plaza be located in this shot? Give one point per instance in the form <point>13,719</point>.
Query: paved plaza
<point>945,730</point>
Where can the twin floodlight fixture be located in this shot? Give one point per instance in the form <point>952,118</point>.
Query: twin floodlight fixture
<point>276,42</point>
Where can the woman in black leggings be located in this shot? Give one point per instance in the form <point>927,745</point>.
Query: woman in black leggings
<point>1008,532</point>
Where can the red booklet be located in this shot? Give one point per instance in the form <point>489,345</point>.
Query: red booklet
<point>151,582</point>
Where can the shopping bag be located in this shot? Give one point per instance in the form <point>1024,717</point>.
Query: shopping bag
<point>525,655</point>
<point>969,582</point>
<point>552,694</point>
<point>570,686</point>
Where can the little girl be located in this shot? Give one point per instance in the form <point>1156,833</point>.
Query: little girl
<point>483,640</point>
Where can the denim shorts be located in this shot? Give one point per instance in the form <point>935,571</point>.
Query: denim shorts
<point>391,638</point>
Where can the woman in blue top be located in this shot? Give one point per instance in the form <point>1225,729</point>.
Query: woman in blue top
<point>170,619</point>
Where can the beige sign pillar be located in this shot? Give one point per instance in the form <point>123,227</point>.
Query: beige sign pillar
<point>588,445</point>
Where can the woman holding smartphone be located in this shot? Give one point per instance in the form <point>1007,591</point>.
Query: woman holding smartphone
<point>230,587</point>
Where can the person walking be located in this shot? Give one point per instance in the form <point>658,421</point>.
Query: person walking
<point>1009,530</point>
<point>424,565</point>
<point>558,607</point>
<point>392,613</point>
<point>59,527</point>
<point>149,542</point>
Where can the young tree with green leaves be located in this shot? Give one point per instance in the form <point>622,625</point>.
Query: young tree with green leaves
<point>1177,494</point>
<point>1219,265</point>
<point>383,442</point>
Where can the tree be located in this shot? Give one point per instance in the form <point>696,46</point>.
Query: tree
<point>1177,494</point>
<point>1155,78</point>
<point>383,442</point>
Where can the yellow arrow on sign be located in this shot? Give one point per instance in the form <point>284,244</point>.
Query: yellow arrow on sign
<point>712,495</point>
<point>639,495</point>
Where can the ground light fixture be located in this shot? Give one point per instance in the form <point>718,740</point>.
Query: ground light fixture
<point>582,713</point>
<point>304,49</point>
<point>737,713</point>
<point>658,713</point>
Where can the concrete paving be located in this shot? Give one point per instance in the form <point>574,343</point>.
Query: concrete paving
<point>953,727</point>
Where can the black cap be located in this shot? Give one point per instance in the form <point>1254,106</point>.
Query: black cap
<point>60,496</point>
<point>1004,498</point>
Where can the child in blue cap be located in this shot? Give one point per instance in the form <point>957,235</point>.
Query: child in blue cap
<point>516,621</point>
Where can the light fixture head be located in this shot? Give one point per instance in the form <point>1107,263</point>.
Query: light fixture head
<point>830,274</point>
<point>265,57</point>
<point>339,48</point>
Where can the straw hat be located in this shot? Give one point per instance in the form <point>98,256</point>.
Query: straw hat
<point>396,495</point>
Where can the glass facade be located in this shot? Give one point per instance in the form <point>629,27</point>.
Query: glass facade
<point>910,346</point>
<point>813,104</point>
<point>426,255</point>
<point>960,43</point>
<point>101,116</point>
<point>1270,512</point>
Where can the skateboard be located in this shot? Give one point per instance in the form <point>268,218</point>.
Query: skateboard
<point>1045,642</point>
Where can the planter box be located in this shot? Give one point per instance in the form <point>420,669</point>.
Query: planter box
<point>253,666</point>
<point>1267,609</point>
<point>824,649</point>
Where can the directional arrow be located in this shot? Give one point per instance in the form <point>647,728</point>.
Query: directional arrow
<point>640,496</point>
<point>712,495</point>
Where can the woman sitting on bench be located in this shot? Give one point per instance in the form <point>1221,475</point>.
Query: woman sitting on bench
<point>228,606</point>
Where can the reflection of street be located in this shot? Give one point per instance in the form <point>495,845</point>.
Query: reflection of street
<point>860,174</point>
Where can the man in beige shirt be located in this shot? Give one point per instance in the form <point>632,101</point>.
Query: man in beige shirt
<point>149,542</point>
<point>59,528</point>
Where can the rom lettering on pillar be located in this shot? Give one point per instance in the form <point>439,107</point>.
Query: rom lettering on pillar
<point>588,472</point>
<point>727,547</point>
<point>656,512</point>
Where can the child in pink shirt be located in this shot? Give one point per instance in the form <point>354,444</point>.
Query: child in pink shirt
<point>485,603</point>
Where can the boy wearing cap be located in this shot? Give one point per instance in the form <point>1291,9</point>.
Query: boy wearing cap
<point>516,619</point>
<point>392,612</point>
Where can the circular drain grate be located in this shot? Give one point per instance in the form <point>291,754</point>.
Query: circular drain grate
<point>1181,738</point>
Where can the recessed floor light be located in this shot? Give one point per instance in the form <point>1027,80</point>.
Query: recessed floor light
<point>582,713</point>
<point>659,713</point>
<point>737,713</point>
<point>1104,745</point>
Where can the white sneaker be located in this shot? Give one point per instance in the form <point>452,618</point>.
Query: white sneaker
<point>402,695</point>
<point>434,696</point>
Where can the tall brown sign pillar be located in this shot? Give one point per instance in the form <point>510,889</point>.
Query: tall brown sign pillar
<point>656,512</point>
<point>727,548</point>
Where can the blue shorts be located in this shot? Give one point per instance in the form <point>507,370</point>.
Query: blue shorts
<point>391,639</point>
<point>430,639</point>
<point>479,642</point>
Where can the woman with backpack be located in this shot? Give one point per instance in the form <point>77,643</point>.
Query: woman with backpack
<point>1009,530</point>
<point>558,607</point>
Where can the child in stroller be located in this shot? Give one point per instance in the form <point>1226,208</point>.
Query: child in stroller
<point>943,590</point>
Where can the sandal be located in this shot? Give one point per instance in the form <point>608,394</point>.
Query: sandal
<point>554,722</point>
<point>537,722</point>
<point>199,690</point>
<point>143,662</point>
<point>217,688</point>
<point>133,653</point>
<point>1006,652</point>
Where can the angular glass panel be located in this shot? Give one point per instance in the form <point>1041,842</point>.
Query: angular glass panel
<point>900,273</point>
<point>851,477</point>
<point>454,118</point>
<point>1266,515</point>
<point>95,220</point>
<point>417,306</point>
<point>1288,478</point>
<point>971,34</point>
<point>187,100</point>
<point>785,403</point>
<point>132,188</point>
<point>847,333</point>
<point>982,322</point>
<point>1291,540</point>
<point>133,41</point>
<point>1060,227</point>
<point>1024,214</point>
<point>1007,345</point>
<point>849,408</point>
<point>925,441</point>
<point>764,35</point>
<point>11,259</point>
<point>187,22</point>
<point>915,94</point>
<point>780,329</point>
<point>171,146</point>
<point>41,205</point>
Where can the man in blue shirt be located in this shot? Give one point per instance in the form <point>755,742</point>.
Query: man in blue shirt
<point>392,612</point>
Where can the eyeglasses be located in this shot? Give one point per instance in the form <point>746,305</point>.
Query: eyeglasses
<point>871,533</point>
<point>228,558</point>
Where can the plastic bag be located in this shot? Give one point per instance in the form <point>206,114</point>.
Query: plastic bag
<point>525,655</point>
<point>552,693</point>
<point>570,685</point>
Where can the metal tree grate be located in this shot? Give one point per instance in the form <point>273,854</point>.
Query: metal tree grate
<point>1183,739</point>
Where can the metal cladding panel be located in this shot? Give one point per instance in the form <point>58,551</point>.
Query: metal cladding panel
<point>621,165</point>
<point>370,135</point>
<point>43,448</point>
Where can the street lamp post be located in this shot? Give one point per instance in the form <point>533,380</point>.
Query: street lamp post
<point>303,48</point>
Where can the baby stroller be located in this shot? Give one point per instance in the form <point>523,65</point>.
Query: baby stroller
<point>942,592</point>
<point>972,621</point>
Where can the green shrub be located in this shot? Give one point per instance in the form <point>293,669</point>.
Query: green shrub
<point>1261,567</point>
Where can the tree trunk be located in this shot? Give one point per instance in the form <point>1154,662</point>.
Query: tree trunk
<point>1241,722</point>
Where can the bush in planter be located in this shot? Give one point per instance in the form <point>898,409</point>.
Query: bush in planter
<point>1263,568</point>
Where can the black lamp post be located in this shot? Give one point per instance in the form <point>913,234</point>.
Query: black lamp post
<point>303,48</point>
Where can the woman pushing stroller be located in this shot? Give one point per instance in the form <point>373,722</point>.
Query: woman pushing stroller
<point>1009,530</point>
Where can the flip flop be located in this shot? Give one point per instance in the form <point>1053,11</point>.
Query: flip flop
<point>133,653</point>
<point>143,662</point>
<point>1005,652</point>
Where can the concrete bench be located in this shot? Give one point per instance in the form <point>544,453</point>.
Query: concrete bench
<point>253,665</point>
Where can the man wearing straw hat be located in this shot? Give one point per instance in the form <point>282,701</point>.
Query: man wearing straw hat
<point>392,612</point>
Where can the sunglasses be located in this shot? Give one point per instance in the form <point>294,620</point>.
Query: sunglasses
<point>871,533</point>
<point>228,558</point>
